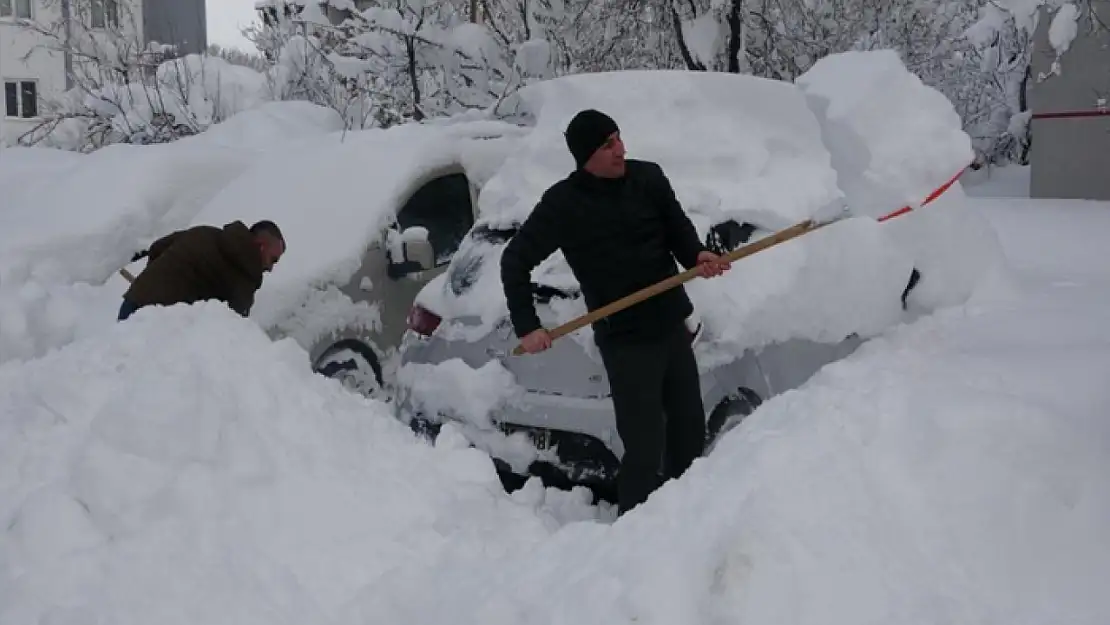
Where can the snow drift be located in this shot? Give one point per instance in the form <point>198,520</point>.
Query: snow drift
<point>334,199</point>
<point>81,219</point>
<point>182,467</point>
<point>771,153</point>
<point>733,146</point>
<point>935,476</point>
<point>893,142</point>
<point>68,221</point>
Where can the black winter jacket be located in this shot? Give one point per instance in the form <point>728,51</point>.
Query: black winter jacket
<point>618,236</point>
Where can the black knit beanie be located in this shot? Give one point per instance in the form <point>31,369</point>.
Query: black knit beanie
<point>587,132</point>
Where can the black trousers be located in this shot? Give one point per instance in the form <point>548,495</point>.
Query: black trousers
<point>660,417</point>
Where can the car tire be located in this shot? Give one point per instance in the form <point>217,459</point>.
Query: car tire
<point>355,365</point>
<point>728,414</point>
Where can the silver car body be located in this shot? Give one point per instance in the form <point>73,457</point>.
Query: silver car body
<point>359,345</point>
<point>390,282</point>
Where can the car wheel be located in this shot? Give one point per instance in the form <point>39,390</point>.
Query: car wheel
<point>729,413</point>
<point>355,365</point>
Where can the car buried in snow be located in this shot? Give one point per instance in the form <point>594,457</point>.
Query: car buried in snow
<point>562,404</point>
<point>370,217</point>
<point>747,157</point>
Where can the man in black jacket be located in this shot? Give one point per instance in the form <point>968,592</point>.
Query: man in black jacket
<point>621,229</point>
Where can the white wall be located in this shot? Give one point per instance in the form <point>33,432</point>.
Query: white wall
<point>1069,155</point>
<point>45,67</point>
<point>130,31</point>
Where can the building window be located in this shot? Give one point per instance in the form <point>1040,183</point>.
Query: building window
<point>105,13</point>
<point>21,99</point>
<point>19,9</point>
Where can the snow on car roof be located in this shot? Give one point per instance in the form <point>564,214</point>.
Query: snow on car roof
<point>733,146</point>
<point>771,153</point>
<point>333,197</point>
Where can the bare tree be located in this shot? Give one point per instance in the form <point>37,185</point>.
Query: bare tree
<point>122,90</point>
<point>395,61</point>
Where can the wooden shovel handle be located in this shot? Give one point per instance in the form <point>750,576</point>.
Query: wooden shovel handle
<point>781,236</point>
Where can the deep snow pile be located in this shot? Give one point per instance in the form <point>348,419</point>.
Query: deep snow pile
<point>734,146</point>
<point>950,471</point>
<point>333,201</point>
<point>871,110</point>
<point>893,143</point>
<point>272,125</point>
<point>76,224</point>
<point>181,467</point>
<point>859,131</point>
<point>68,221</point>
<point>83,222</point>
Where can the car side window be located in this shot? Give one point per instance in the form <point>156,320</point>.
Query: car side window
<point>727,236</point>
<point>467,265</point>
<point>443,207</point>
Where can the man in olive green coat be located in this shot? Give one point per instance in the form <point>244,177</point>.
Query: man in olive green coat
<point>206,263</point>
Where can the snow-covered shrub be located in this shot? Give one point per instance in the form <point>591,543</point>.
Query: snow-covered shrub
<point>394,61</point>
<point>127,91</point>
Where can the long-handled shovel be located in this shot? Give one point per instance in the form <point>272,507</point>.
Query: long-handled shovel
<point>782,236</point>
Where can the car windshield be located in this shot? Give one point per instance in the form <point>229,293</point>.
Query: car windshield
<point>467,263</point>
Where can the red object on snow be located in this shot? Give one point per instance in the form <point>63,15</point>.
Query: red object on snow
<point>932,196</point>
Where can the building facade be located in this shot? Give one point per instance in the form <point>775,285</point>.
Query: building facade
<point>36,66</point>
<point>1070,101</point>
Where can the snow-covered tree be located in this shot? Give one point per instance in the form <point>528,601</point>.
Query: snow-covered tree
<point>125,91</point>
<point>383,62</point>
<point>575,36</point>
<point>379,63</point>
<point>976,52</point>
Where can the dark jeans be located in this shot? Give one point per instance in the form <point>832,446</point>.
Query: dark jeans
<point>126,309</point>
<point>659,412</point>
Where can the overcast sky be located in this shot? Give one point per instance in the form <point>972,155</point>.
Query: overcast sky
<point>226,18</point>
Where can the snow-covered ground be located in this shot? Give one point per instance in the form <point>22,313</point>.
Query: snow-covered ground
<point>997,182</point>
<point>182,468</point>
<point>185,468</point>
